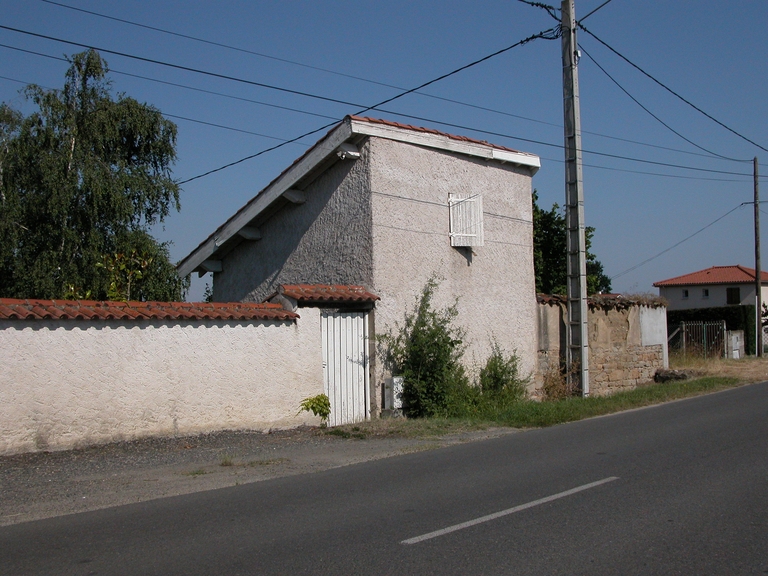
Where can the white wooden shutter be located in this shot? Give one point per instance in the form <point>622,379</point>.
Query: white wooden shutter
<point>466,213</point>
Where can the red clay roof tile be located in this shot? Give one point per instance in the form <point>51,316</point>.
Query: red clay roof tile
<point>431,131</point>
<point>715,275</point>
<point>327,293</point>
<point>14,309</point>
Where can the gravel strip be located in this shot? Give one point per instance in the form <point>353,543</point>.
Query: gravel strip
<point>45,484</point>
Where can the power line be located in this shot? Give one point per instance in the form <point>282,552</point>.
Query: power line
<point>545,34</point>
<point>552,145</point>
<point>473,129</point>
<point>595,10</point>
<point>184,68</point>
<point>678,243</point>
<point>325,116</point>
<point>668,89</point>
<point>177,85</point>
<point>551,10</point>
<point>542,34</point>
<point>287,61</point>
<point>218,44</point>
<point>667,126</point>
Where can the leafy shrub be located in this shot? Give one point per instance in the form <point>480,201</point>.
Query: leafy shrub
<point>319,405</point>
<point>501,374</point>
<point>427,353</point>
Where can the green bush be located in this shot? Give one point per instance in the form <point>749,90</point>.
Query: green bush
<point>501,374</point>
<point>427,353</point>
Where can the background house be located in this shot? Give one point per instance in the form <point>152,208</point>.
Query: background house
<point>388,206</point>
<point>714,287</point>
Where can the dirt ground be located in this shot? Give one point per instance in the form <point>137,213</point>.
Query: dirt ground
<point>45,484</point>
<point>747,369</point>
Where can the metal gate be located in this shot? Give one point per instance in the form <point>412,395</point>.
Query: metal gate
<point>706,339</point>
<point>345,365</point>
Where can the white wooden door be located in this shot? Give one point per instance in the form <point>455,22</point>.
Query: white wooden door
<point>345,365</point>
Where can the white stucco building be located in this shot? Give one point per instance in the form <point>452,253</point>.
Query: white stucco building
<point>388,206</point>
<point>712,288</point>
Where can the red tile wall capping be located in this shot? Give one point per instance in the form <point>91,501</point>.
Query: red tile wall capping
<point>13,309</point>
<point>715,275</point>
<point>327,293</point>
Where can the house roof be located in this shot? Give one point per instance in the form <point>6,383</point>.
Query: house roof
<point>337,145</point>
<point>327,294</point>
<point>715,275</point>
<point>13,309</point>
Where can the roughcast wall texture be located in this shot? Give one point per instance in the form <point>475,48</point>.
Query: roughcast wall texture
<point>71,383</point>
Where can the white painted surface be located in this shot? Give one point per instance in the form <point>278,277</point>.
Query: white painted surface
<point>346,365</point>
<point>653,329</point>
<point>508,511</point>
<point>494,283</point>
<point>72,383</point>
<point>715,298</point>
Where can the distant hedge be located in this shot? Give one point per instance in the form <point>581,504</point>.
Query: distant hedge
<point>736,318</point>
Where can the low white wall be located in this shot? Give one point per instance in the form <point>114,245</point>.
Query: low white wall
<point>71,383</point>
<point>653,329</point>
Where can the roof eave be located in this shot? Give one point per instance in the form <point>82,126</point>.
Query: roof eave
<point>203,258</point>
<point>321,151</point>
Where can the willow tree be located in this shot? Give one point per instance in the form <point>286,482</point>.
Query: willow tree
<point>82,179</point>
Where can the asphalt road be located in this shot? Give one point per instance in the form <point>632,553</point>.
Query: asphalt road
<point>680,488</point>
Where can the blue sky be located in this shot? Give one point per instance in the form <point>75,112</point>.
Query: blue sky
<point>712,52</point>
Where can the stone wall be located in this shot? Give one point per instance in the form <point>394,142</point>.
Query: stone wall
<point>627,343</point>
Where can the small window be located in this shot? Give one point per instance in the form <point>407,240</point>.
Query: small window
<point>685,294</point>
<point>466,214</point>
<point>705,293</point>
<point>733,295</point>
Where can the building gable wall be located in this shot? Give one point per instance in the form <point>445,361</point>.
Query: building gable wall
<point>325,240</point>
<point>492,284</point>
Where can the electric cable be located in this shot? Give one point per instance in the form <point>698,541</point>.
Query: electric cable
<point>668,89</point>
<point>549,9</point>
<point>545,34</point>
<point>667,126</point>
<point>285,60</point>
<point>182,67</point>
<point>644,262</point>
<point>595,10</point>
<point>542,34</point>
<point>328,117</point>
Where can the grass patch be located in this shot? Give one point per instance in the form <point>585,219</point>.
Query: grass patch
<point>227,460</point>
<point>532,414</point>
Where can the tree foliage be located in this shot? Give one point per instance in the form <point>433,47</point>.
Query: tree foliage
<point>549,253</point>
<point>81,181</point>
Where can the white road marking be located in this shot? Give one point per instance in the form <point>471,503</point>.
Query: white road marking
<point>489,517</point>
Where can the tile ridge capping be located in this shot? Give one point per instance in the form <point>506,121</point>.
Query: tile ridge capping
<point>324,293</point>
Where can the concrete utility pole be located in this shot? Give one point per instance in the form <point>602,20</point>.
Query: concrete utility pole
<point>577,346</point>
<point>758,273</point>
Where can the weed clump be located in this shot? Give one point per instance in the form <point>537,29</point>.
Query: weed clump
<point>427,352</point>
